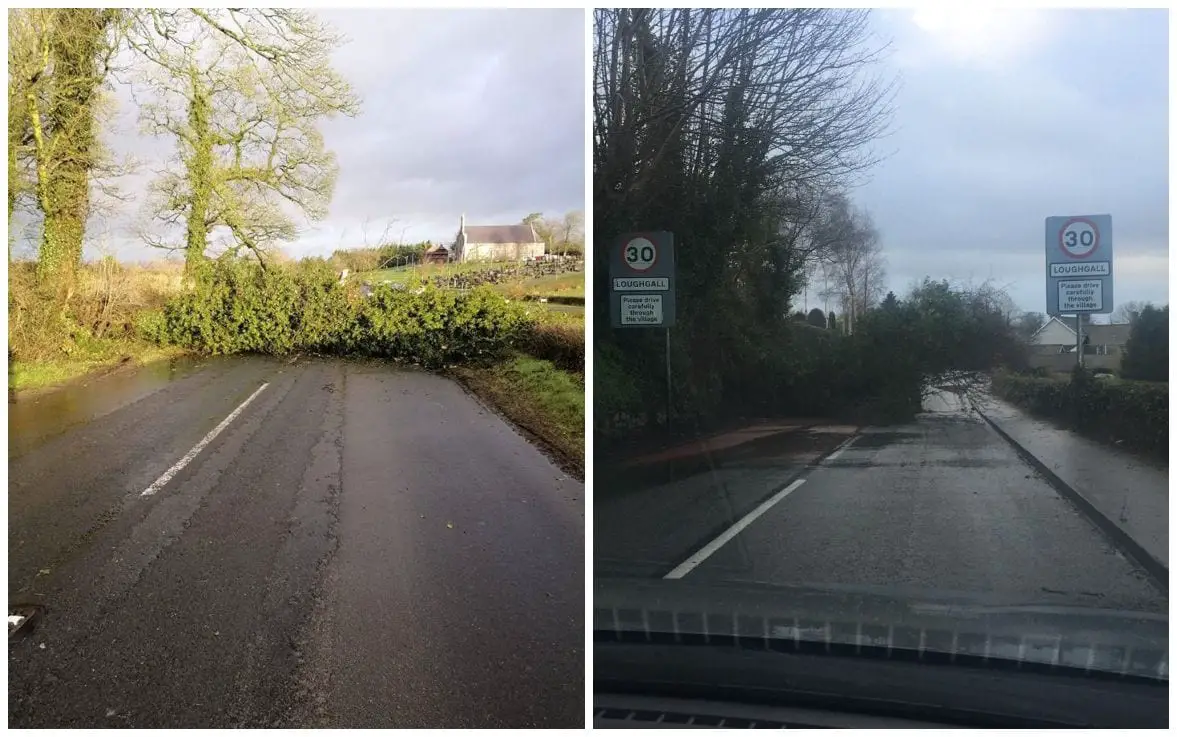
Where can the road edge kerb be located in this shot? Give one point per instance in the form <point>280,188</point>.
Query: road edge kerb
<point>717,530</point>
<point>1157,571</point>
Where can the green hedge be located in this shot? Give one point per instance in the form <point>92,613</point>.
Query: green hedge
<point>1133,414</point>
<point>617,397</point>
<point>562,344</point>
<point>242,308</point>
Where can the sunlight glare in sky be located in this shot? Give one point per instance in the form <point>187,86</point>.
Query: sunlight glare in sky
<point>980,34</point>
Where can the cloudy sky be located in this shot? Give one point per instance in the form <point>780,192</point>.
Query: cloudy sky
<point>1006,117</point>
<point>479,112</point>
<point>464,111</point>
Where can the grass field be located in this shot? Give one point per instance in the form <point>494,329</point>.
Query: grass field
<point>563,285</point>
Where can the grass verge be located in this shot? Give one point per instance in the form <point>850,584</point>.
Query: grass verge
<point>538,397</point>
<point>36,375</point>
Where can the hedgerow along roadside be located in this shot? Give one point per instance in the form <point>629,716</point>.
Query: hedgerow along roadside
<point>240,307</point>
<point>1129,414</point>
<point>479,336</point>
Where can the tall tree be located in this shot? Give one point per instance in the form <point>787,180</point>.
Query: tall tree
<point>57,67</point>
<point>59,60</point>
<point>572,231</point>
<point>1028,323</point>
<point>726,127</point>
<point>27,77</point>
<point>852,257</point>
<point>245,120</point>
<point>1146,354</point>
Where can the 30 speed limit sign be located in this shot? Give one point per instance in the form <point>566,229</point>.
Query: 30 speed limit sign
<point>640,254</point>
<point>1079,265</point>
<point>641,280</point>
<point>1079,237</point>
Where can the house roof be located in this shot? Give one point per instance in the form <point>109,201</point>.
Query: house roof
<point>1108,334</point>
<point>1116,334</point>
<point>521,233</point>
<point>1052,319</point>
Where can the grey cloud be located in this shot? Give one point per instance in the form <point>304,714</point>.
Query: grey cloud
<point>984,152</point>
<point>475,112</point>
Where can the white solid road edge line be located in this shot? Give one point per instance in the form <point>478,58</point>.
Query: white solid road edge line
<point>840,449</point>
<point>690,563</point>
<point>168,474</point>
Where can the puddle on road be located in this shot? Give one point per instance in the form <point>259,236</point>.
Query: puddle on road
<point>37,417</point>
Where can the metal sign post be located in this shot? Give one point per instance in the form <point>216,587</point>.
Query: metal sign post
<point>669,403</point>
<point>1079,269</point>
<point>641,287</point>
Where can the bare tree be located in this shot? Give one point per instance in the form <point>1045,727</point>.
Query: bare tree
<point>1128,312</point>
<point>546,229</point>
<point>852,257</point>
<point>572,231</point>
<point>664,78</point>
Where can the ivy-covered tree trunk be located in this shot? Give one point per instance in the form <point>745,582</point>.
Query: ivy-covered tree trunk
<point>67,153</point>
<point>200,173</point>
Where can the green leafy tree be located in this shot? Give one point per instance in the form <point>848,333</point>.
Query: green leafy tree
<point>816,318</point>
<point>1146,354</point>
<point>890,302</point>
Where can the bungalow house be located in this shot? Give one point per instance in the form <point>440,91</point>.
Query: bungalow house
<point>496,243</point>
<point>1052,346</point>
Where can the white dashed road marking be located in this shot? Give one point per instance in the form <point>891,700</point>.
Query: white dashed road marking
<point>839,450</point>
<point>168,474</point>
<point>691,563</point>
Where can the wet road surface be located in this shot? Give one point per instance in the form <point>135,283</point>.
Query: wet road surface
<point>942,504</point>
<point>359,546</point>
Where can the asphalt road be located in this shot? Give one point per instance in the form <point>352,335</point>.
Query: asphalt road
<point>943,504</point>
<point>360,546</point>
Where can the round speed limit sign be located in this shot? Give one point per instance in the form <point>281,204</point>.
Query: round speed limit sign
<point>1078,238</point>
<point>639,254</point>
